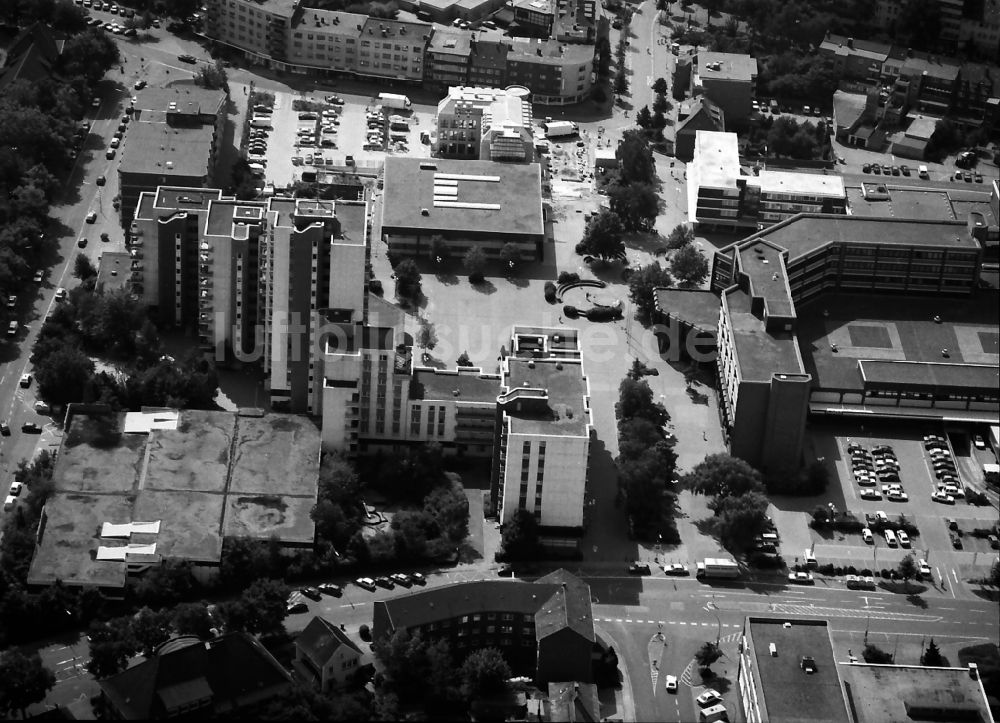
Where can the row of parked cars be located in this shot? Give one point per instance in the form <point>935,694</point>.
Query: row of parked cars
<point>878,466</point>
<point>948,486</point>
<point>296,604</point>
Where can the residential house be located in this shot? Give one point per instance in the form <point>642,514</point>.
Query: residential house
<point>326,655</point>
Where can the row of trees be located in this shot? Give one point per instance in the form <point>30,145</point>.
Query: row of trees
<point>620,83</point>
<point>646,460</point>
<point>654,122</point>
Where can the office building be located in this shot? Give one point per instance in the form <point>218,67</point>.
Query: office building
<point>729,80</point>
<point>787,672</point>
<point>544,629</point>
<point>467,204</point>
<point>543,430</point>
<point>173,139</point>
<point>720,196</point>
<point>490,124</point>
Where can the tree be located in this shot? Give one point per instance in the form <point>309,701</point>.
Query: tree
<point>520,540</point>
<point>151,628</point>
<point>644,119</point>
<point>874,654</point>
<point>660,86</point>
<point>485,674</point>
<point>89,54</point>
<point>994,578</point>
<point>180,9</point>
<point>439,249</point>
<point>722,475</point>
<point>635,400</point>
<point>413,670</point>
<point>603,235</point>
<point>660,105</point>
<point>907,569</point>
<point>689,265</point>
<point>426,336</point>
<point>213,76</point>
<point>636,204</point>
<point>932,657</point>
<point>680,236</point>
<point>450,508</point>
<point>24,680</point>
<point>635,158</point>
<point>510,254</point>
<point>707,654</point>
<point>62,376</point>
<point>642,285</point>
<point>111,645</point>
<point>918,24</point>
<point>475,263</point>
<point>193,619</point>
<point>408,281</point>
<point>739,519</point>
<point>463,360</point>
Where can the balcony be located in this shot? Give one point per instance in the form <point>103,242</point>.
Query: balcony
<point>136,265</point>
<point>135,276</point>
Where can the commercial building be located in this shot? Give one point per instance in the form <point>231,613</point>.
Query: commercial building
<point>544,629</point>
<point>491,124</point>
<point>729,80</point>
<point>797,336</point>
<point>173,140</point>
<point>558,68</point>
<point>133,490</point>
<point>481,204</point>
<point>787,672</point>
<point>720,196</point>
<point>187,676</point>
<point>543,431</point>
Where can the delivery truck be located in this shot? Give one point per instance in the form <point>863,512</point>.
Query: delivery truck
<point>394,100</point>
<point>717,567</point>
<point>559,129</point>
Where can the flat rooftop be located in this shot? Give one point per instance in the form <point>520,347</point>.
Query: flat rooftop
<point>166,150</point>
<point>184,98</point>
<point>215,474</point>
<point>760,353</point>
<point>762,263</point>
<point>888,693</point>
<point>697,307</point>
<point>225,215</point>
<point>929,202</point>
<point>790,695</point>
<point>899,329</point>
<point>732,66</point>
<point>804,233</point>
<point>471,386</point>
<point>799,184</point>
<point>568,410</point>
<point>480,197</point>
<point>113,270</point>
<point>716,159</point>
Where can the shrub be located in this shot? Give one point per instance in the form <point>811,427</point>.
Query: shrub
<point>866,572</point>
<point>550,292</point>
<point>851,570</point>
<point>826,569</point>
<point>568,277</point>
<point>580,248</point>
<point>838,571</point>
<point>766,562</point>
<point>974,497</point>
<point>884,573</point>
<point>604,313</point>
<point>365,633</point>
<point>571,312</point>
<point>375,287</point>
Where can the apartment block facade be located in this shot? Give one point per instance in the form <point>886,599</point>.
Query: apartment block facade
<point>729,80</point>
<point>283,35</point>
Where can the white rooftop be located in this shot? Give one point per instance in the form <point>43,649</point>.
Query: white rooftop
<point>809,184</point>
<point>124,552</point>
<point>145,421</point>
<point>127,529</point>
<point>716,159</point>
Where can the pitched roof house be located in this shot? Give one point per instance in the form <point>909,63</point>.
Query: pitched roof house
<point>326,655</point>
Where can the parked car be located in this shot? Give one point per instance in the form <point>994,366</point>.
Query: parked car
<point>297,608</point>
<point>956,541</point>
<point>869,494</point>
<point>978,441</point>
<point>92,217</point>
<point>31,428</point>
<point>904,539</point>
<point>332,589</point>
<point>12,328</point>
<point>867,536</point>
<point>139,84</point>
<point>401,579</point>
<point>905,170</point>
<point>638,568</point>
<point>876,169</point>
<point>187,58</point>
<point>925,569</point>
<point>943,497</point>
<point>505,571</point>
<point>25,381</point>
<point>365,582</point>
<point>867,168</point>
<point>801,578</point>
<point>15,489</point>
<point>708,698</point>
<point>677,569</point>
<point>4,429</point>
<point>311,593</point>
<point>383,581</point>
<point>60,294</point>
<point>418,578</point>
<point>671,684</point>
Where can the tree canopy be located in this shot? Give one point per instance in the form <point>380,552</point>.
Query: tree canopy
<point>636,204</point>
<point>689,265</point>
<point>642,285</point>
<point>603,235</point>
<point>485,674</point>
<point>24,680</point>
<point>723,475</point>
<point>635,158</point>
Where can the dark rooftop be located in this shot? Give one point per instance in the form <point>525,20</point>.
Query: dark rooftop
<point>889,693</point>
<point>763,265</point>
<point>321,638</point>
<point>471,385</point>
<point>462,196</point>
<point>158,148</point>
<point>790,695</point>
<point>568,411</point>
<point>697,307</point>
<point>760,354</point>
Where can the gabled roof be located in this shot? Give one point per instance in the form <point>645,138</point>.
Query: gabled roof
<point>223,670</point>
<point>321,639</point>
<point>703,115</point>
<point>569,607</point>
<point>31,57</point>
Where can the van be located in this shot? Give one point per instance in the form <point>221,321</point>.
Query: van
<point>260,122</point>
<point>922,172</point>
<point>715,713</point>
<point>890,538</point>
<point>810,559</point>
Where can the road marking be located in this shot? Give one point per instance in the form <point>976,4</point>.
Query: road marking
<point>63,662</point>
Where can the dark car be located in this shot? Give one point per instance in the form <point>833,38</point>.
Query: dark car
<point>332,589</point>
<point>401,579</point>
<point>187,58</point>
<point>877,169</point>
<point>5,429</point>
<point>905,170</point>
<point>895,170</point>
<point>887,170</point>
<point>638,568</point>
<point>31,428</point>
<point>296,608</point>
<point>311,593</point>
<point>385,582</point>
<point>418,579</point>
<point>867,168</point>
<point>101,180</point>
<point>82,243</point>
<point>956,542</point>
<point>505,571</point>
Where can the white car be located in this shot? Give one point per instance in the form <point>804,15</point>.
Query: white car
<point>979,442</point>
<point>709,697</point>
<point>867,535</point>
<point>904,539</point>
<point>15,489</point>
<point>925,569</point>
<point>943,497</point>
<point>898,496</point>
<point>671,684</point>
<point>60,294</point>
<point>870,495</point>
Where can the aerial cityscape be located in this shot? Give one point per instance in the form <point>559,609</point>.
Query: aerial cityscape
<point>506,360</point>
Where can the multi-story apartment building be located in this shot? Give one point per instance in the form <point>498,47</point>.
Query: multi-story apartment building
<point>321,39</point>
<point>544,629</point>
<point>720,196</point>
<point>173,139</point>
<point>447,58</point>
<point>543,430</point>
<point>855,59</point>
<point>485,123</point>
<point>729,80</point>
<point>555,73</point>
<point>568,21</point>
<point>393,49</point>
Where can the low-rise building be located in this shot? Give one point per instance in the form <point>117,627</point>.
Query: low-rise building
<point>544,629</point>
<point>729,80</point>
<point>326,655</point>
<point>693,115</point>
<point>187,676</point>
<point>720,196</point>
<point>485,124</point>
<point>481,204</point>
